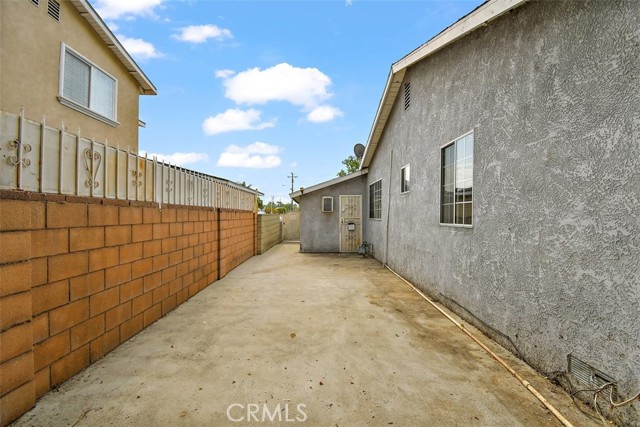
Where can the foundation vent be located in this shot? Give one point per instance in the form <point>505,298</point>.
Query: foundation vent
<point>590,377</point>
<point>53,9</point>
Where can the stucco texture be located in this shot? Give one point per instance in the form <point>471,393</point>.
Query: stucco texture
<point>30,49</point>
<point>320,231</point>
<point>550,91</point>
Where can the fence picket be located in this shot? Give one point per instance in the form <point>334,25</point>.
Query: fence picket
<point>164,183</point>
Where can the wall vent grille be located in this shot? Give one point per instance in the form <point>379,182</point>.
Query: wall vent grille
<point>407,95</point>
<point>590,377</point>
<point>53,9</point>
<point>36,2</point>
<point>327,204</point>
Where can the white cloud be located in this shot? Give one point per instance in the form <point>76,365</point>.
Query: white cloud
<point>139,48</point>
<point>349,2</point>
<point>259,155</point>
<point>235,119</point>
<point>179,159</point>
<point>223,74</point>
<point>305,87</point>
<point>201,33</point>
<point>115,9</point>
<point>323,113</point>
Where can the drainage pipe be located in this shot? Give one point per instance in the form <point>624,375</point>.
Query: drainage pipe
<point>524,382</point>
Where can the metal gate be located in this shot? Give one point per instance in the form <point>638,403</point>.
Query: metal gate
<point>350,223</point>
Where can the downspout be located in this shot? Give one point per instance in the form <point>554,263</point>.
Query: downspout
<point>504,364</point>
<point>386,228</point>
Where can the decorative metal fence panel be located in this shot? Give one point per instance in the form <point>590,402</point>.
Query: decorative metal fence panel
<point>36,157</point>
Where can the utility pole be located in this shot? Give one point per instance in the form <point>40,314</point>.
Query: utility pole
<point>292,176</point>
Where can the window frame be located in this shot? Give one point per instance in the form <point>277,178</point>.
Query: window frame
<point>64,48</point>
<point>453,142</point>
<point>403,180</point>
<point>372,201</point>
<point>322,209</point>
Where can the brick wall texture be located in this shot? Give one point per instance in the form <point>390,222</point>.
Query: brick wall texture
<point>269,232</point>
<point>80,276</point>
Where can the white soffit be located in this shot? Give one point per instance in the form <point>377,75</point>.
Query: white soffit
<point>92,17</point>
<point>485,13</point>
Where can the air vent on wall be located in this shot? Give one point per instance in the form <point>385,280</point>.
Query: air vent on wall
<point>53,9</point>
<point>327,204</point>
<point>36,2</point>
<point>591,377</point>
<point>407,95</point>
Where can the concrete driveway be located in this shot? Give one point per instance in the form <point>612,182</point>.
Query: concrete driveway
<point>291,339</point>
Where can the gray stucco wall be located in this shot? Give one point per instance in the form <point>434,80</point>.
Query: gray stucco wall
<point>552,93</point>
<point>320,231</point>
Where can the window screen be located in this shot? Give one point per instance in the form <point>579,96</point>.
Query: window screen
<point>375,200</point>
<point>87,86</point>
<point>456,195</point>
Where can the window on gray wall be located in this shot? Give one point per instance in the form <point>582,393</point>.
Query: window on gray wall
<point>375,200</point>
<point>405,178</point>
<point>456,195</point>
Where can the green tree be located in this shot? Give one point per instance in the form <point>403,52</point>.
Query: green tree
<point>352,163</point>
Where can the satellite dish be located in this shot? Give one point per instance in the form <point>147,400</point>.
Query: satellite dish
<point>358,150</point>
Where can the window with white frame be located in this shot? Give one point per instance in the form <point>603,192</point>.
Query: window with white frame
<point>327,204</point>
<point>405,178</point>
<point>375,200</point>
<point>456,195</point>
<point>86,88</point>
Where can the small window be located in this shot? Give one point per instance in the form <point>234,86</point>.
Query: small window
<point>375,200</point>
<point>456,195</point>
<point>53,9</point>
<point>405,179</point>
<point>407,95</point>
<point>327,204</point>
<point>86,88</point>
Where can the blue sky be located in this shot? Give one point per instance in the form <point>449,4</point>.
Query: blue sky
<point>254,90</point>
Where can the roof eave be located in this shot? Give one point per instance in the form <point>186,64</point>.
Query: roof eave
<point>391,89</point>
<point>297,194</point>
<point>88,12</point>
<point>480,17</point>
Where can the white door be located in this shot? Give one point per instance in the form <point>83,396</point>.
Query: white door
<point>350,223</point>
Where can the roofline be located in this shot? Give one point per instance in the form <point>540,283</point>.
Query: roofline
<point>88,12</point>
<point>479,17</point>
<point>296,194</point>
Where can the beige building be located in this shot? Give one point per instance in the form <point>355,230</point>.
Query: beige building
<point>60,60</point>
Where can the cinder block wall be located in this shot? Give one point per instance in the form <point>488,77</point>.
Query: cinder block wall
<point>269,232</point>
<point>237,239</point>
<point>80,276</point>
